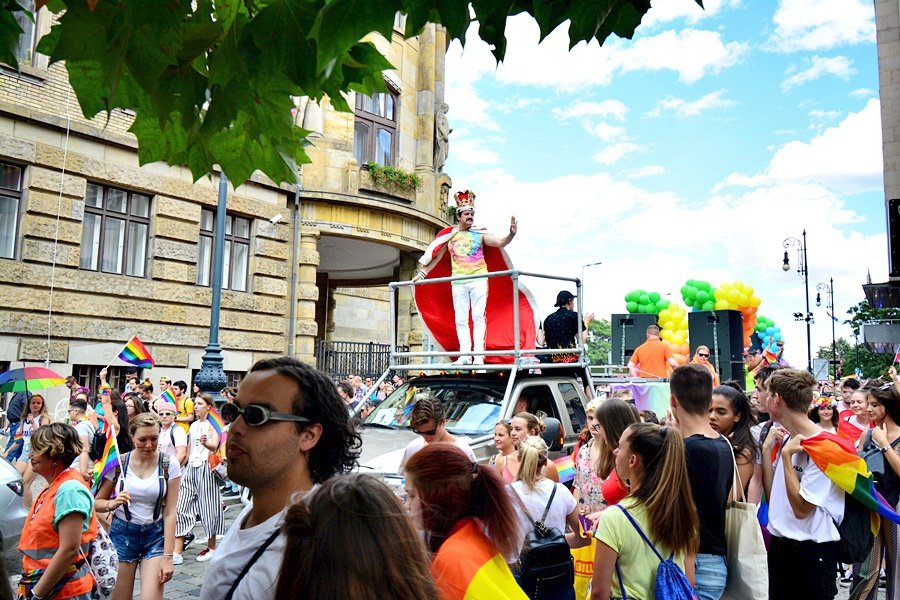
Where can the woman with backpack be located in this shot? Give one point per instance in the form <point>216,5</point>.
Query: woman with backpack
<point>659,510</point>
<point>469,523</point>
<point>540,500</point>
<point>879,448</point>
<point>143,524</point>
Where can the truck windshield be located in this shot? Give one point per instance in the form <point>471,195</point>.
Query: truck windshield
<point>472,408</point>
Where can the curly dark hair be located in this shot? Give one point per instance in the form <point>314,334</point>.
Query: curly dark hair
<point>337,450</point>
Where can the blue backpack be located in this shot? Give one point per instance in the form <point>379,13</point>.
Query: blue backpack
<point>671,582</point>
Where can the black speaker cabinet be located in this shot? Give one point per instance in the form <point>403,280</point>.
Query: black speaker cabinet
<point>722,332</point>
<point>628,332</point>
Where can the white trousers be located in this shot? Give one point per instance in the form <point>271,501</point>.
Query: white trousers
<point>470,295</point>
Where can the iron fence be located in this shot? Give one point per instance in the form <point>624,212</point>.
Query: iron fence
<point>366,359</point>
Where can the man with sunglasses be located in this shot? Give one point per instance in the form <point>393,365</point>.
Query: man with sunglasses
<point>172,439</point>
<point>429,423</point>
<point>289,432</point>
<point>701,357</point>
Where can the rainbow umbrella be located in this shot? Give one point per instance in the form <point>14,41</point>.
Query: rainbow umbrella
<point>30,379</point>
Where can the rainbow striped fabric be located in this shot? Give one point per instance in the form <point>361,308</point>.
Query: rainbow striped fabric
<point>566,467</point>
<point>107,462</point>
<point>168,396</point>
<point>837,458</point>
<point>216,421</point>
<point>136,353</point>
<point>468,567</point>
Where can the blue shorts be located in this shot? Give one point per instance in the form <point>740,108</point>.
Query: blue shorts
<point>135,542</point>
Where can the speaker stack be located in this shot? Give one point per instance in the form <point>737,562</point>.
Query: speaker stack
<point>628,332</point>
<point>722,332</point>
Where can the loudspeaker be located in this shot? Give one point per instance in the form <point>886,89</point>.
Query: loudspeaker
<point>722,332</point>
<point>628,332</point>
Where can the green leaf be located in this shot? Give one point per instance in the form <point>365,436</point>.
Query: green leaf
<point>342,23</point>
<point>10,30</point>
<point>452,14</point>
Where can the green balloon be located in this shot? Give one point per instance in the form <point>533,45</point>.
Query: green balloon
<point>645,299</point>
<point>654,297</point>
<point>708,305</point>
<point>691,294</point>
<point>662,305</point>
<point>703,285</point>
<point>702,296</point>
<point>631,307</point>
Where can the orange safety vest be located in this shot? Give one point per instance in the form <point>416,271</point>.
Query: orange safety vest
<point>40,541</point>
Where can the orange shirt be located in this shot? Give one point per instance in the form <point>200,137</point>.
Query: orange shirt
<point>651,359</point>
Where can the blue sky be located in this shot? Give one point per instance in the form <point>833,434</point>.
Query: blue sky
<point>691,151</point>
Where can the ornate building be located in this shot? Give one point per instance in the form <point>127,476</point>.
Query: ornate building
<point>95,248</point>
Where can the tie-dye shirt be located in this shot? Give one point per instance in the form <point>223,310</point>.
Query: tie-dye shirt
<point>466,254</point>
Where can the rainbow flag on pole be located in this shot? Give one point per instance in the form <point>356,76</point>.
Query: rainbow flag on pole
<point>168,396</point>
<point>136,353</point>
<point>216,421</point>
<point>566,467</point>
<point>837,458</point>
<point>107,462</point>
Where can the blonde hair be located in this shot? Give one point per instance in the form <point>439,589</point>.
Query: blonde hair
<point>533,454</point>
<point>532,423</point>
<point>145,419</point>
<point>592,405</point>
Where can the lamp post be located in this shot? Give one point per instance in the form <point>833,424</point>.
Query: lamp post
<point>828,288</point>
<point>211,378</point>
<point>803,271</point>
<point>583,267</point>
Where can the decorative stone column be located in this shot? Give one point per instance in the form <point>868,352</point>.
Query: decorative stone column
<point>307,294</point>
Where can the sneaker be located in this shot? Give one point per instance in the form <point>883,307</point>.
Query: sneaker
<point>846,579</point>
<point>205,555</point>
<point>189,539</point>
<point>177,559</point>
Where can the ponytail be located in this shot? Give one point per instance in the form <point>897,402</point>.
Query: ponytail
<point>665,492</point>
<point>532,459</point>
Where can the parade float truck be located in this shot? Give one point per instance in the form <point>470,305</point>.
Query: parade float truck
<point>475,397</point>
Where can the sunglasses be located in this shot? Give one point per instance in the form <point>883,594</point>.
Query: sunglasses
<point>703,355</point>
<point>256,415</point>
<point>429,432</point>
<point>167,414</point>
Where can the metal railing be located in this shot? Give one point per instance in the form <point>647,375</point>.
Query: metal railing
<point>366,359</point>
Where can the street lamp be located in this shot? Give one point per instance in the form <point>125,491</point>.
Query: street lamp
<point>803,271</point>
<point>828,288</point>
<point>583,267</point>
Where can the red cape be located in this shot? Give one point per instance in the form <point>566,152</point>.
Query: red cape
<point>435,304</point>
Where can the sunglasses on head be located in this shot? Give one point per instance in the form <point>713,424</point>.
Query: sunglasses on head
<point>256,415</point>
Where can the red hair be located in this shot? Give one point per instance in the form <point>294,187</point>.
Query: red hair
<point>451,488</point>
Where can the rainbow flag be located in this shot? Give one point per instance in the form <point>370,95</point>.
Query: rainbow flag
<point>467,566</point>
<point>136,353</point>
<point>215,420</point>
<point>18,434</point>
<point>107,462</point>
<point>838,460</point>
<point>566,467</point>
<point>168,396</point>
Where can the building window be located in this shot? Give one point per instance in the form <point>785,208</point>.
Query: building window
<point>32,31</point>
<point>89,376</point>
<point>10,199</point>
<point>116,226</point>
<point>236,266</point>
<point>375,130</point>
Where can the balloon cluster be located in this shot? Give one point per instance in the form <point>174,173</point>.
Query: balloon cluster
<point>641,301</point>
<point>739,296</point>
<point>699,295</point>
<point>673,323</point>
<point>769,334</point>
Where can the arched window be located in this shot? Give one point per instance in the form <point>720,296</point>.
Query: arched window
<point>375,130</point>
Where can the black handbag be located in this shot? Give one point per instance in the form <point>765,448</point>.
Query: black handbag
<point>887,482</point>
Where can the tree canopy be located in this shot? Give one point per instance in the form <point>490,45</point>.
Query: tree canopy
<point>214,81</point>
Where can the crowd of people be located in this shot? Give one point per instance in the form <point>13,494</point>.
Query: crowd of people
<point>646,496</point>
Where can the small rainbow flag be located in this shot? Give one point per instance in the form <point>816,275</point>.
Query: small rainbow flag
<point>107,462</point>
<point>566,467</point>
<point>136,353</point>
<point>837,458</point>
<point>215,420</point>
<point>168,396</point>
<point>18,434</point>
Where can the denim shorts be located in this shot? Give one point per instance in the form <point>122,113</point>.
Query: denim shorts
<point>711,574</point>
<point>135,542</point>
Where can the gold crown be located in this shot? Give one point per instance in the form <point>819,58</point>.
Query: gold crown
<point>465,200</point>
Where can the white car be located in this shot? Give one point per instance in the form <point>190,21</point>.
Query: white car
<point>12,512</point>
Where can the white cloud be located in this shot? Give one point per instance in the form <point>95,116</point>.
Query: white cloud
<point>473,152</point>
<point>839,66</point>
<point>684,108</point>
<point>822,24</point>
<point>819,119</point>
<point>689,10</point>
<point>614,153</point>
<point>606,132</point>
<point>846,157</point>
<point>862,93</point>
<point>606,108</point>
<point>648,171</point>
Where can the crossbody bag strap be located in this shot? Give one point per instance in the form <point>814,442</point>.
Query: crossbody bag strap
<point>251,562</point>
<point>621,585</point>
<point>641,531</point>
<point>162,473</point>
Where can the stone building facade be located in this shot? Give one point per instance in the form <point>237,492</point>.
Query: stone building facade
<point>95,248</point>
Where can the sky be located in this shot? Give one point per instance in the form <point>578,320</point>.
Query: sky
<point>692,151</point>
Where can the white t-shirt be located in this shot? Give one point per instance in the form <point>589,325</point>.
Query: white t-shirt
<point>536,501</point>
<point>144,492</point>
<point>86,429</point>
<point>167,435</point>
<point>463,443</point>
<point>236,549</point>
<point>755,432</point>
<point>816,488</point>
<point>199,452</point>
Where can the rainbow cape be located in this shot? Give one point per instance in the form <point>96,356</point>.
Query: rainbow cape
<point>136,353</point>
<point>566,467</point>
<point>837,458</point>
<point>468,567</point>
<point>108,461</point>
